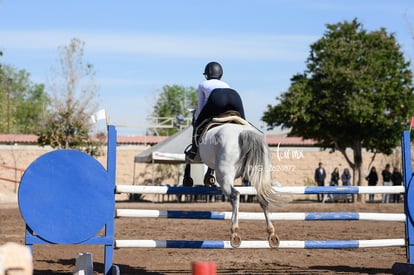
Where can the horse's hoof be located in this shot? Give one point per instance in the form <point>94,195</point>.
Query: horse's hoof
<point>274,241</point>
<point>188,181</point>
<point>235,240</point>
<point>209,180</point>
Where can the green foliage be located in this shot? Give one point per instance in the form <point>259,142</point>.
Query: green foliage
<point>23,102</point>
<point>60,133</point>
<point>68,122</point>
<point>357,92</point>
<point>30,113</point>
<point>1,68</point>
<point>173,101</point>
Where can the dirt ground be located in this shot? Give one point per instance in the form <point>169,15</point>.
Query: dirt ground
<point>58,259</point>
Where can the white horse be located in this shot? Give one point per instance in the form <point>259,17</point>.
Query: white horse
<point>235,151</point>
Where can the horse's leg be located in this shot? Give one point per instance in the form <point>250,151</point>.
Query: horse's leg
<point>234,196</point>
<point>209,178</point>
<point>235,239</point>
<point>187,180</point>
<point>272,237</point>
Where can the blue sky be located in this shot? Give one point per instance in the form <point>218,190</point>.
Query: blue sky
<point>137,47</point>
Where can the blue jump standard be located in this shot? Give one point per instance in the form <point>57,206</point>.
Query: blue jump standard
<point>68,197</point>
<point>409,194</point>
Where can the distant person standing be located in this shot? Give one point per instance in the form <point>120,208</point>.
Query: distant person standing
<point>386,178</point>
<point>334,177</point>
<point>397,179</point>
<point>333,182</point>
<point>319,177</point>
<point>346,177</point>
<point>372,179</point>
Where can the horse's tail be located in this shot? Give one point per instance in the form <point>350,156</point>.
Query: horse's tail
<point>255,165</point>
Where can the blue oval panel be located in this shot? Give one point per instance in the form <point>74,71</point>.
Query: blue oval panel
<point>66,197</point>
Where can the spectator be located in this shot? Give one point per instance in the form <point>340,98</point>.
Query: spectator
<point>333,182</point>
<point>334,177</point>
<point>386,178</point>
<point>346,177</point>
<point>319,176</point>
<point>397,179</point>
<point>372,179</point>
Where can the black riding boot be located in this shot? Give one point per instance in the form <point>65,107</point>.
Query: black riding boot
<point>191,150</point>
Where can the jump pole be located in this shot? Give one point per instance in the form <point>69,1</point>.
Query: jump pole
<point>217,244</point>
<point>253,216</point>
<point>249,190</point>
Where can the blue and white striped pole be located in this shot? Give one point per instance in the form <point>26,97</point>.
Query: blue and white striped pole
<point>214,244</point>
<point>278,216</point>
<point>249,190</point>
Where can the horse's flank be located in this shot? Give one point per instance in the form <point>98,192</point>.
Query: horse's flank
<point>241,148</point>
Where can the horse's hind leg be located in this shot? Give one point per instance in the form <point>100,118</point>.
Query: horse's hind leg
<point>209,178</point>
<point>187,180</point>
<point>235,239</point>
<point>234,196</point>
<point>272,237</point>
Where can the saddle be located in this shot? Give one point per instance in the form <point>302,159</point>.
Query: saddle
<point>226,117</point>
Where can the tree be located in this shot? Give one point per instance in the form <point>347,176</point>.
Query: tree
<point>23,102</point>
<point>1,68</point>
<point>73,88</point>
<point>174,101</point>
<point>356,93</point>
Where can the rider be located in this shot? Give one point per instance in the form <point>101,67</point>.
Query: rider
<point>214,98</point>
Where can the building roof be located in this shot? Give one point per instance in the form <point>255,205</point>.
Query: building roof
<point>150,140</point>
<point>19,139</point>
<point>289,141</point>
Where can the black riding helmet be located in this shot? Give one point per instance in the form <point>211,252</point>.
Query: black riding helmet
<point>213,70</point>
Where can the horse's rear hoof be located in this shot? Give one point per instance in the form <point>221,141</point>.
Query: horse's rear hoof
<point>188,181</point>
<point>209,180</point>
<point>274,241</point>
<point>235,240</point>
